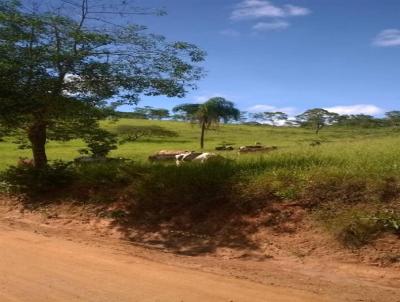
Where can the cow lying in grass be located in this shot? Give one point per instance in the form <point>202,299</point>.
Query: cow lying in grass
<point>192,156</point>
<point>183,156</point>
<point>165,155</point>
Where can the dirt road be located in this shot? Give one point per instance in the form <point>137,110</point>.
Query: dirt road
<point>38,268</point>
<point>71,259</point>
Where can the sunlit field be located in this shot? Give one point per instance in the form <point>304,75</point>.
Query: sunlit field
<point>349,150</point>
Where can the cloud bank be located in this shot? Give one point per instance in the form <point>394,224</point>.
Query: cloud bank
<point>356,109</point>
<point>254,9</point>
<point>270,17</point>
<point>270,108</point>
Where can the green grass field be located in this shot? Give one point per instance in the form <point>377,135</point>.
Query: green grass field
<point>368,150</point>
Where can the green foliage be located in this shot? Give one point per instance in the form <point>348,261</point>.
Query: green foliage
<point>99,143</point>
<point>316,118</point>
<point>59,70</point>
<point>216,109</point>
<point>272,118</point>
<point>194,189</point>
<point>26,179</point>
<point>187,111</point>
<point>158,113</point>
<point>361,120</point>
<point>393,117</point>
<point>209,113</point>
<point>99,175</point>
<point>364,227</point>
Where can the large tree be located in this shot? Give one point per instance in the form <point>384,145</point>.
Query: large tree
<point>62,67</point>
<point>158,113</point>
<point>316,118</point>
<point>272,118</point>
<point>210,113</point>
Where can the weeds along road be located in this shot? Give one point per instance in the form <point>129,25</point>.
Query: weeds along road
<point>34,268</point>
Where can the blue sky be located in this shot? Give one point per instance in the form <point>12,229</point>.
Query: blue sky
<point>289,55</point>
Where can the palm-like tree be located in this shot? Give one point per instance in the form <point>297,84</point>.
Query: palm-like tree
<point>210,113</point>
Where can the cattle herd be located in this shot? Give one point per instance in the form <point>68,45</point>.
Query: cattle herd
<point>180,156</point>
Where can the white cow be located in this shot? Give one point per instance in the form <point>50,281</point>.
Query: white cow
<point>195,156</point>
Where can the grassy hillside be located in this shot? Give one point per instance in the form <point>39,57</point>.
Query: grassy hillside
<point>361,148</point>
<point>350,184</point>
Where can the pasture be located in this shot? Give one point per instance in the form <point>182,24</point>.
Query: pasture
<point>349,150</point>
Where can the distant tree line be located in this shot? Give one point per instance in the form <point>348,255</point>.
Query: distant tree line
<point>147,112</point>
<point>318,118</point>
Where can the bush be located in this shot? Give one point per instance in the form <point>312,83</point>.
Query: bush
<point>99,143</point>
<point>355,227</point>
<point>31,181</point>
<point>193,189</point>
<point>102,174</point>
<point>359,231</point>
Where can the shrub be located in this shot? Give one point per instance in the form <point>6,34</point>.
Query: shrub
<point>355,227</point>
<point>194,189</point>
<point>359,231</point>
<point>31,181</point>
<point>102,174</point>
<point>99,143</point>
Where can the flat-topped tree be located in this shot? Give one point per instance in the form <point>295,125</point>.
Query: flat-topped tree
<point>62,69</point>
<point>275,117</point>
<point>316,118</point>
<point>159,113</point>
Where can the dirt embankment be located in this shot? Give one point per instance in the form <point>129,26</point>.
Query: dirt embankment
<point>73,257</point>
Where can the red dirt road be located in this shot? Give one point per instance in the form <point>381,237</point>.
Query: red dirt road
<point>75,258</point>
<point>34,268</point>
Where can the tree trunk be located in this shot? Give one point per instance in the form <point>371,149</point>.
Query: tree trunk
<point>37,136</point>
<point>203,129</point>
<point>319,126</point>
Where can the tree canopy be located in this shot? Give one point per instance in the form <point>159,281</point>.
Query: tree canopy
<point>60,74</point>
<point>213,111</point>
<point>316,118</point>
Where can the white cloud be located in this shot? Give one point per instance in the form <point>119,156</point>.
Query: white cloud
<point>269,108</point>
<point>229,33</point>
<point>293,10</point>
<point>275,25</point>
<point>356,109</point>
<point>254,9</point>
<point>387,38</point>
